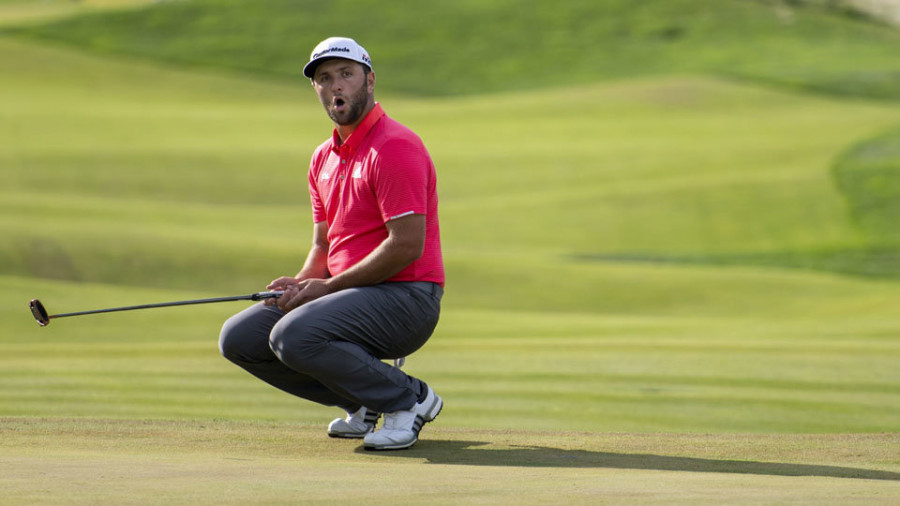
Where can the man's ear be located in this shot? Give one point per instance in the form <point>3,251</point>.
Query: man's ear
<point>370,81</point>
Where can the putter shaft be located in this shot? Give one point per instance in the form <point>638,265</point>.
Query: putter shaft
<point>43,318</point>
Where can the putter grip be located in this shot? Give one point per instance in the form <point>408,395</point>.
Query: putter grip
<point>266,295</point>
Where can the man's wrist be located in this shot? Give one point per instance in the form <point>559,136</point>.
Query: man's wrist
<point>333,284</point>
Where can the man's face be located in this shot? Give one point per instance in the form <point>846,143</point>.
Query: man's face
<point>344,90</point>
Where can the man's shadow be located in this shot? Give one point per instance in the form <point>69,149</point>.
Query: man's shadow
<point>468,453</point>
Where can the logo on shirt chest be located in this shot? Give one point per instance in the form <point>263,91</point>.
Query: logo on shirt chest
<point>328,173</point>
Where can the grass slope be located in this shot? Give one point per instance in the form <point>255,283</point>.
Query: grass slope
<point>869,175</point>
<point>438,48</point>
<point>26,12</point>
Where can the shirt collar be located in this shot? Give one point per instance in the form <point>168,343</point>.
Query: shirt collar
<point>359,133</point>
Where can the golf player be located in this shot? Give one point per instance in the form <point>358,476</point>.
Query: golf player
<point>371,286</point>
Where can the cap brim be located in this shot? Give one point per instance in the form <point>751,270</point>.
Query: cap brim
<point>310,69</point>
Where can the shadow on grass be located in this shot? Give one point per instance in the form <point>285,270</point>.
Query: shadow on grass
<point>468,453</point>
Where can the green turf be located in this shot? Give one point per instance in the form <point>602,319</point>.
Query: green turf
<point>96,461</point>
<point>662,288</point>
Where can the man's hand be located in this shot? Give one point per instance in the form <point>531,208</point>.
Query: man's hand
<point>282,283</point>
<point>301,292</point>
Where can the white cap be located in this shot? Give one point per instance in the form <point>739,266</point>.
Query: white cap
<point>336,47</point>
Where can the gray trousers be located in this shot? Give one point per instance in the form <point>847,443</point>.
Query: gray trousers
<point>330,350</point>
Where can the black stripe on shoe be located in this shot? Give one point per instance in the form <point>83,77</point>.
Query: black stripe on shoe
<point>417,424</point>
<point>371,417</point>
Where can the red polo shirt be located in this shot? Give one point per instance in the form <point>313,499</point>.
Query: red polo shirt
<point>382,172</point>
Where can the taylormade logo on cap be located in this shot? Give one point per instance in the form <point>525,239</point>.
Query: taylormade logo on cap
<point>336,47</point>
<point>331,50</point>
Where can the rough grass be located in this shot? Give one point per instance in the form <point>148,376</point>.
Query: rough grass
<point>869,176</point>
<point>440,48</point>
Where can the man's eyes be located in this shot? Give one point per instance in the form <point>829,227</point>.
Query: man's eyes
<point>345,74</point>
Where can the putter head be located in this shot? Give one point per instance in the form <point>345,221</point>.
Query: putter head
<point>40,314</point>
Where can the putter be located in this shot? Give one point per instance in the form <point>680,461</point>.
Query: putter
<point>43,318</point>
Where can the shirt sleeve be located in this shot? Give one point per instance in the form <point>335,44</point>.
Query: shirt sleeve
<point>401,182</point>
<point>318,209</point>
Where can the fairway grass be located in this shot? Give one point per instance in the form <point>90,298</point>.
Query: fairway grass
<point>96,461</point>
<point>819,356</point>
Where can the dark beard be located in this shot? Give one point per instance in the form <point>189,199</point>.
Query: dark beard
<point>357,105</point>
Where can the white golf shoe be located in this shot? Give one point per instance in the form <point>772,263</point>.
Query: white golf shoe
<point>401,428</point>
<point>355,426</point>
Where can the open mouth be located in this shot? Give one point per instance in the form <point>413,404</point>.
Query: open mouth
<point>339,103</point>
